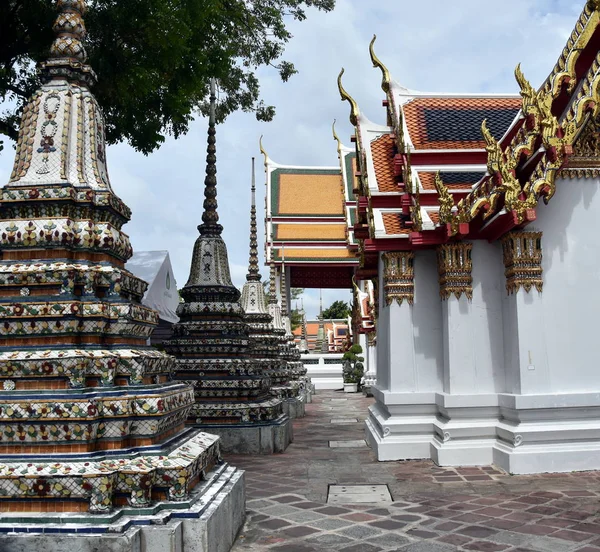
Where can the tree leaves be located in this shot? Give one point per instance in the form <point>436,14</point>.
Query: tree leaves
<point>155,58</point>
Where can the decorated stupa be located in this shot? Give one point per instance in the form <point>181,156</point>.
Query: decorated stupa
<point>212,342</point>
<point>288,347</point>
<point>90,421</point>
<point>265,338</point>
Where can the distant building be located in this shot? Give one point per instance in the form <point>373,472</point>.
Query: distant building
<point>337,335</point>
<point>155,268</point>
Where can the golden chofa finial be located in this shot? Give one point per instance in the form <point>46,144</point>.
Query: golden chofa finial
<point>336,137</point>
<point>262,150</point>
<point>385,74</point>
<point>528,93</point>
<point>354,111</point>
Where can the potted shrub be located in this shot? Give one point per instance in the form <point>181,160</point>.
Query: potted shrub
<point>353,368</point>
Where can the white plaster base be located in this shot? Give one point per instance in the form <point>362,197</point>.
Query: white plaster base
<point>210,525</point>
<point>519,433</point>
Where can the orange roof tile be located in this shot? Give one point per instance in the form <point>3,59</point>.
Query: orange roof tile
<point>311,253</point>
<point>382,151</point>
<point>310,232</point>
<point>434,216</point>
<point>311,194</point>
<point>393,224</point>
<point>455,123</point>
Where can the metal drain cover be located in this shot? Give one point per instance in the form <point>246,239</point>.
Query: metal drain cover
<point>354,443</point>
<point>356,494</point>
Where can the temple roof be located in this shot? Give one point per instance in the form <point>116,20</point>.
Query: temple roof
<point>444,163</point>
<point>454,122</point>
<point>308,213</point>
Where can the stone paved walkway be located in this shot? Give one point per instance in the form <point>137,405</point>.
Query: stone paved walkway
<point>434,509</point>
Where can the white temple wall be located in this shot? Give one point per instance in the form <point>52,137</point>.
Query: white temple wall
<point>383,331</point>
<point>571,294</point>
<point>486,316</point>
<point>427,324</point>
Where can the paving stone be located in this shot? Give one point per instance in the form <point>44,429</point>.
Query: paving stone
<point>486,546</point>
<point>328,541</point>
<point>294,548</point>
<point>422,534</point>
<point>535,529</point>
<point>447,526</point>
<point>546,544</point>
<point>407,517</point>
<point>299,531</point>
<point>477,532</point>
<point>329,524</point>
<point>280,510</point>
<point>360,532</point>
<point>332,510</point>
<point>453,538</point>
<point>308,505</point>
<point>379,512</point>
<point>388,540</point>
<point>510,537</point>
<point>361,547</point>
<point>302,516</point>
<point>593,528</point>
<point>427,547</point>
<point>574,536</point>
<point>389,524</point>
<point>360,517</point>
<point>274,524</point>
<point>344,420</point>
<point>287,498</point>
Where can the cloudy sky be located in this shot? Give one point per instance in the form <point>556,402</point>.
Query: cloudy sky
<point>437,46</point>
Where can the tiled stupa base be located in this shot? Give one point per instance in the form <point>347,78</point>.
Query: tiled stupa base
<point>208,521</point>
<point>254,438</point>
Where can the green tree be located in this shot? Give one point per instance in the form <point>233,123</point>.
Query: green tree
<point>295,318</point>
<point>337,309</point>
<point>353,367</point>
<point>154,59</point>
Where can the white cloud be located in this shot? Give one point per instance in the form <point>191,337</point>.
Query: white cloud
<point>465,45</point>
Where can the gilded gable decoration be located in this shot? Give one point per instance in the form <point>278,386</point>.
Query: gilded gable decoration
<point>585,161</point>
<point>454,269</point>
<point>444,199</point>
<point>522,253</point>
<point>398,277</point>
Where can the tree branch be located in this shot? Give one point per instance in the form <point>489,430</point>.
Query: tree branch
<point>8,130</point>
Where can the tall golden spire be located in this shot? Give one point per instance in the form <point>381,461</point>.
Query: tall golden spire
<point>253,271</point>
<point>210,226</point>
<point>354,111</point>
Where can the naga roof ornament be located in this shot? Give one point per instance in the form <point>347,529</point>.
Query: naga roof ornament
<point>263,151</point>
<point>385,74</point>
<point>354,111</point>
<point>336,138</point>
